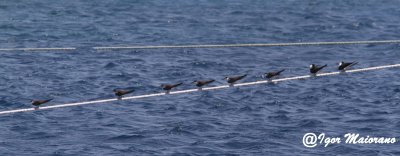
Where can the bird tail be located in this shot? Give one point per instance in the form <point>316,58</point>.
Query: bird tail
<point>279,72</point>
<point>243,76</point>
<point>130,91</point>
<point>322,67</point>
<point>353,63</point>
<point>178,84</point>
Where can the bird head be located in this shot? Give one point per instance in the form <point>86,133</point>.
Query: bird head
<point>340,63</point>
<point>312,66</point>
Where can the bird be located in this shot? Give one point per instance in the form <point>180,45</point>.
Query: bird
<point>314,68</point>
<point>233,79</point>
<point>270,75</point>
<point>168,87</point>
<point>343,65</point>
<point>37,103</point>
<point>200,83</point>
<point>121,92</point>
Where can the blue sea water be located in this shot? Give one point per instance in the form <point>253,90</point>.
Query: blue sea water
<point>253,120</point>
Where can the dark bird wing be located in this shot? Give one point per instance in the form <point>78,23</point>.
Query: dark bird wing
<point>346,65</point>
<point>322,67</point>
<point>39,102</point>
<point>240,77</point>
<point>169,87</point>
<point>202,83</point>
<point>120,92</point>
<point>234,79</point>
<point>176,85</point>
<point>166,87</point>
<point>209,81</point>
<point>272,74</point>
<point>279,72</point>
<point>316,69</point>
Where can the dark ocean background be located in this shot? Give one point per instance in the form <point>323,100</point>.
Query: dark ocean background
<point>253,120</point>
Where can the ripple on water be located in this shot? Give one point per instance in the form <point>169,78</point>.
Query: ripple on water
<point>254,120</point>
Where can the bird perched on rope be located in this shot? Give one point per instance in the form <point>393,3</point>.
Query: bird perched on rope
<point>344,65</point>
<point>314,68</point>
<point>121,92</point>
<point>270,75</point>
<point>201,83</point>
<point>168,87</point>
<point>233,79</point>
<point>37,103</point>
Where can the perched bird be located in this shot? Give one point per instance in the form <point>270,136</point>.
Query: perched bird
<point>200,83</point>
<point>344,65</point>
<point>273,74</point>
<point>121,92</point>
<point>37,103</point>
<point>314,68</point>
<point>233,79</point>
<point>168,87</point>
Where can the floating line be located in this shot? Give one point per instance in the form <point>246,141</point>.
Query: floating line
<point>37,49</point>
<point>248,45</point>
<point>195,90</point>
<point>208,45</point>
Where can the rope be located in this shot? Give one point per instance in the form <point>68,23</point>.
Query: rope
<point>248,45</point>
<point>209,45</point>
<point>36,49</point>
<point>196,90</point>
